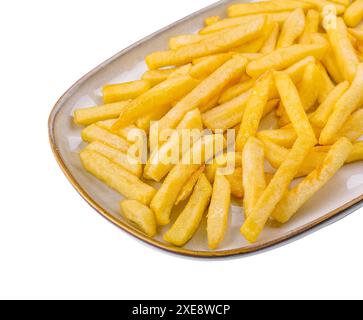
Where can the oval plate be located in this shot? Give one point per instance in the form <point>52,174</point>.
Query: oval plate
<point>342,196</point>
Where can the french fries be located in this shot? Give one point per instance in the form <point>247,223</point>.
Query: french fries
<point>189,220</point>
<point>239,110</point>
<point>218,212</point>
<point>297,197</point>
<point>285,57</point>
<point>87,116</point>
<point>117,178</point>
<point>213,45</point>
<point>254,182</point>
<point>140,215</point>
<point>124,91</point>
<point>351,100</point>
<point>160,96</point>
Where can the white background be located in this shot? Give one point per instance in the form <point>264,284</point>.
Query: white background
<point>53,245</point>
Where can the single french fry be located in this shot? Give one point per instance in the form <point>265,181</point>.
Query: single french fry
<point>117,178</point>
<point>189,220</point>
<point>165,198</point>
<point>91,115</point>
<point>294,199</point>
<point>125,161</point>
<point>254,110</point>
<point>345,54</point>
<point>140,215</point>
<point>296,72</point>
<point>95,133</point>
<point>356,33</point>
<point>254,182</point>
<point>326,85</point>
<point>218,43</point>
<point>211,20</point>
<point>357,153</point>
<point>292,29</point>
<point>285,57</point>
<point>218,212</point>
<point>311,26</point>
<point>235,180</point>
<point>158,165</point>
<point>160,96</point>
<point>189,186</point>
<point>125,133</point>
<point>322,4</point>
<point>244,9</point>
<point>354,13</point>
<point>353,128</point>
<point>229,114</point>
<point>184,40</point>
<point>253,46</point>
<point>154,77</point>
<point>271,40</point>
<point>207,66</point>
<point>322,114</point>
<point>308,89</point>
<point>284,137</point>
<point>293,106</point>
<point>205,91</point>
<point>351,100</point>
<point>228,23</point>
<point>275,191</point>
<point>181,71</point>
<point>124,91</point>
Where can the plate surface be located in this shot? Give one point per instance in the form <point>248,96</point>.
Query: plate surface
<point>342,196</point>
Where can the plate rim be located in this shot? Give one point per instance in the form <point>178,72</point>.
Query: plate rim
<point>345,209</point>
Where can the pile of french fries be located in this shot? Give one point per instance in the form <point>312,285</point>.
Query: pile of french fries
<point>300,62</point>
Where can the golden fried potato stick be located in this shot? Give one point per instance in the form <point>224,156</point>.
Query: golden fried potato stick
<point>218,43</point>
<point>158,165</point>
<point>351,100</point>
<point>125,161</point>
<point>205,91</point>
<point>181,71</point>
<point>160,96</point>
<point>353,128</point>
<point>184,40</point>
<point>228,23</point>
<point>123,132</point>
<point>230,114</point>
<point>275,191</point>
<point>271,40</point>
<point>254,181</point>
<point>189,220</point>
<point>124,91</point>
<point>311,26</point>
<point>218,213</point>
<point>211,20</point>
<point>357,153</point>
<point>293,106</point>
<point>117,178</point>
<point>326,85</point>
<point>308,88</point>
<point>294,199</point>
<point>165,198</point>
<point>292,29</point>
<point>322,4</point>
<point>139,215</point>
<point>91,115</point>
<point>253,46</point>
<point>323,112</point>
<point>285,57</point>
<point>284,137</point>
<point>296,72</point>
<point>254,110</point>
<point>356,33</point>
<point>235,180</point>
<point>354,13</point>
<point>344,52</point>
<point>189,186</point>
<point>95,133</point>
<point>208,65</point>
<point>154,77</point>
<point>244,9</point>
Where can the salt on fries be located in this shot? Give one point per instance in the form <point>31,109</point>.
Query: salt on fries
<point>298,62</point>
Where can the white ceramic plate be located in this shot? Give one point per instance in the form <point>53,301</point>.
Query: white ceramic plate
<point>343,195</point>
